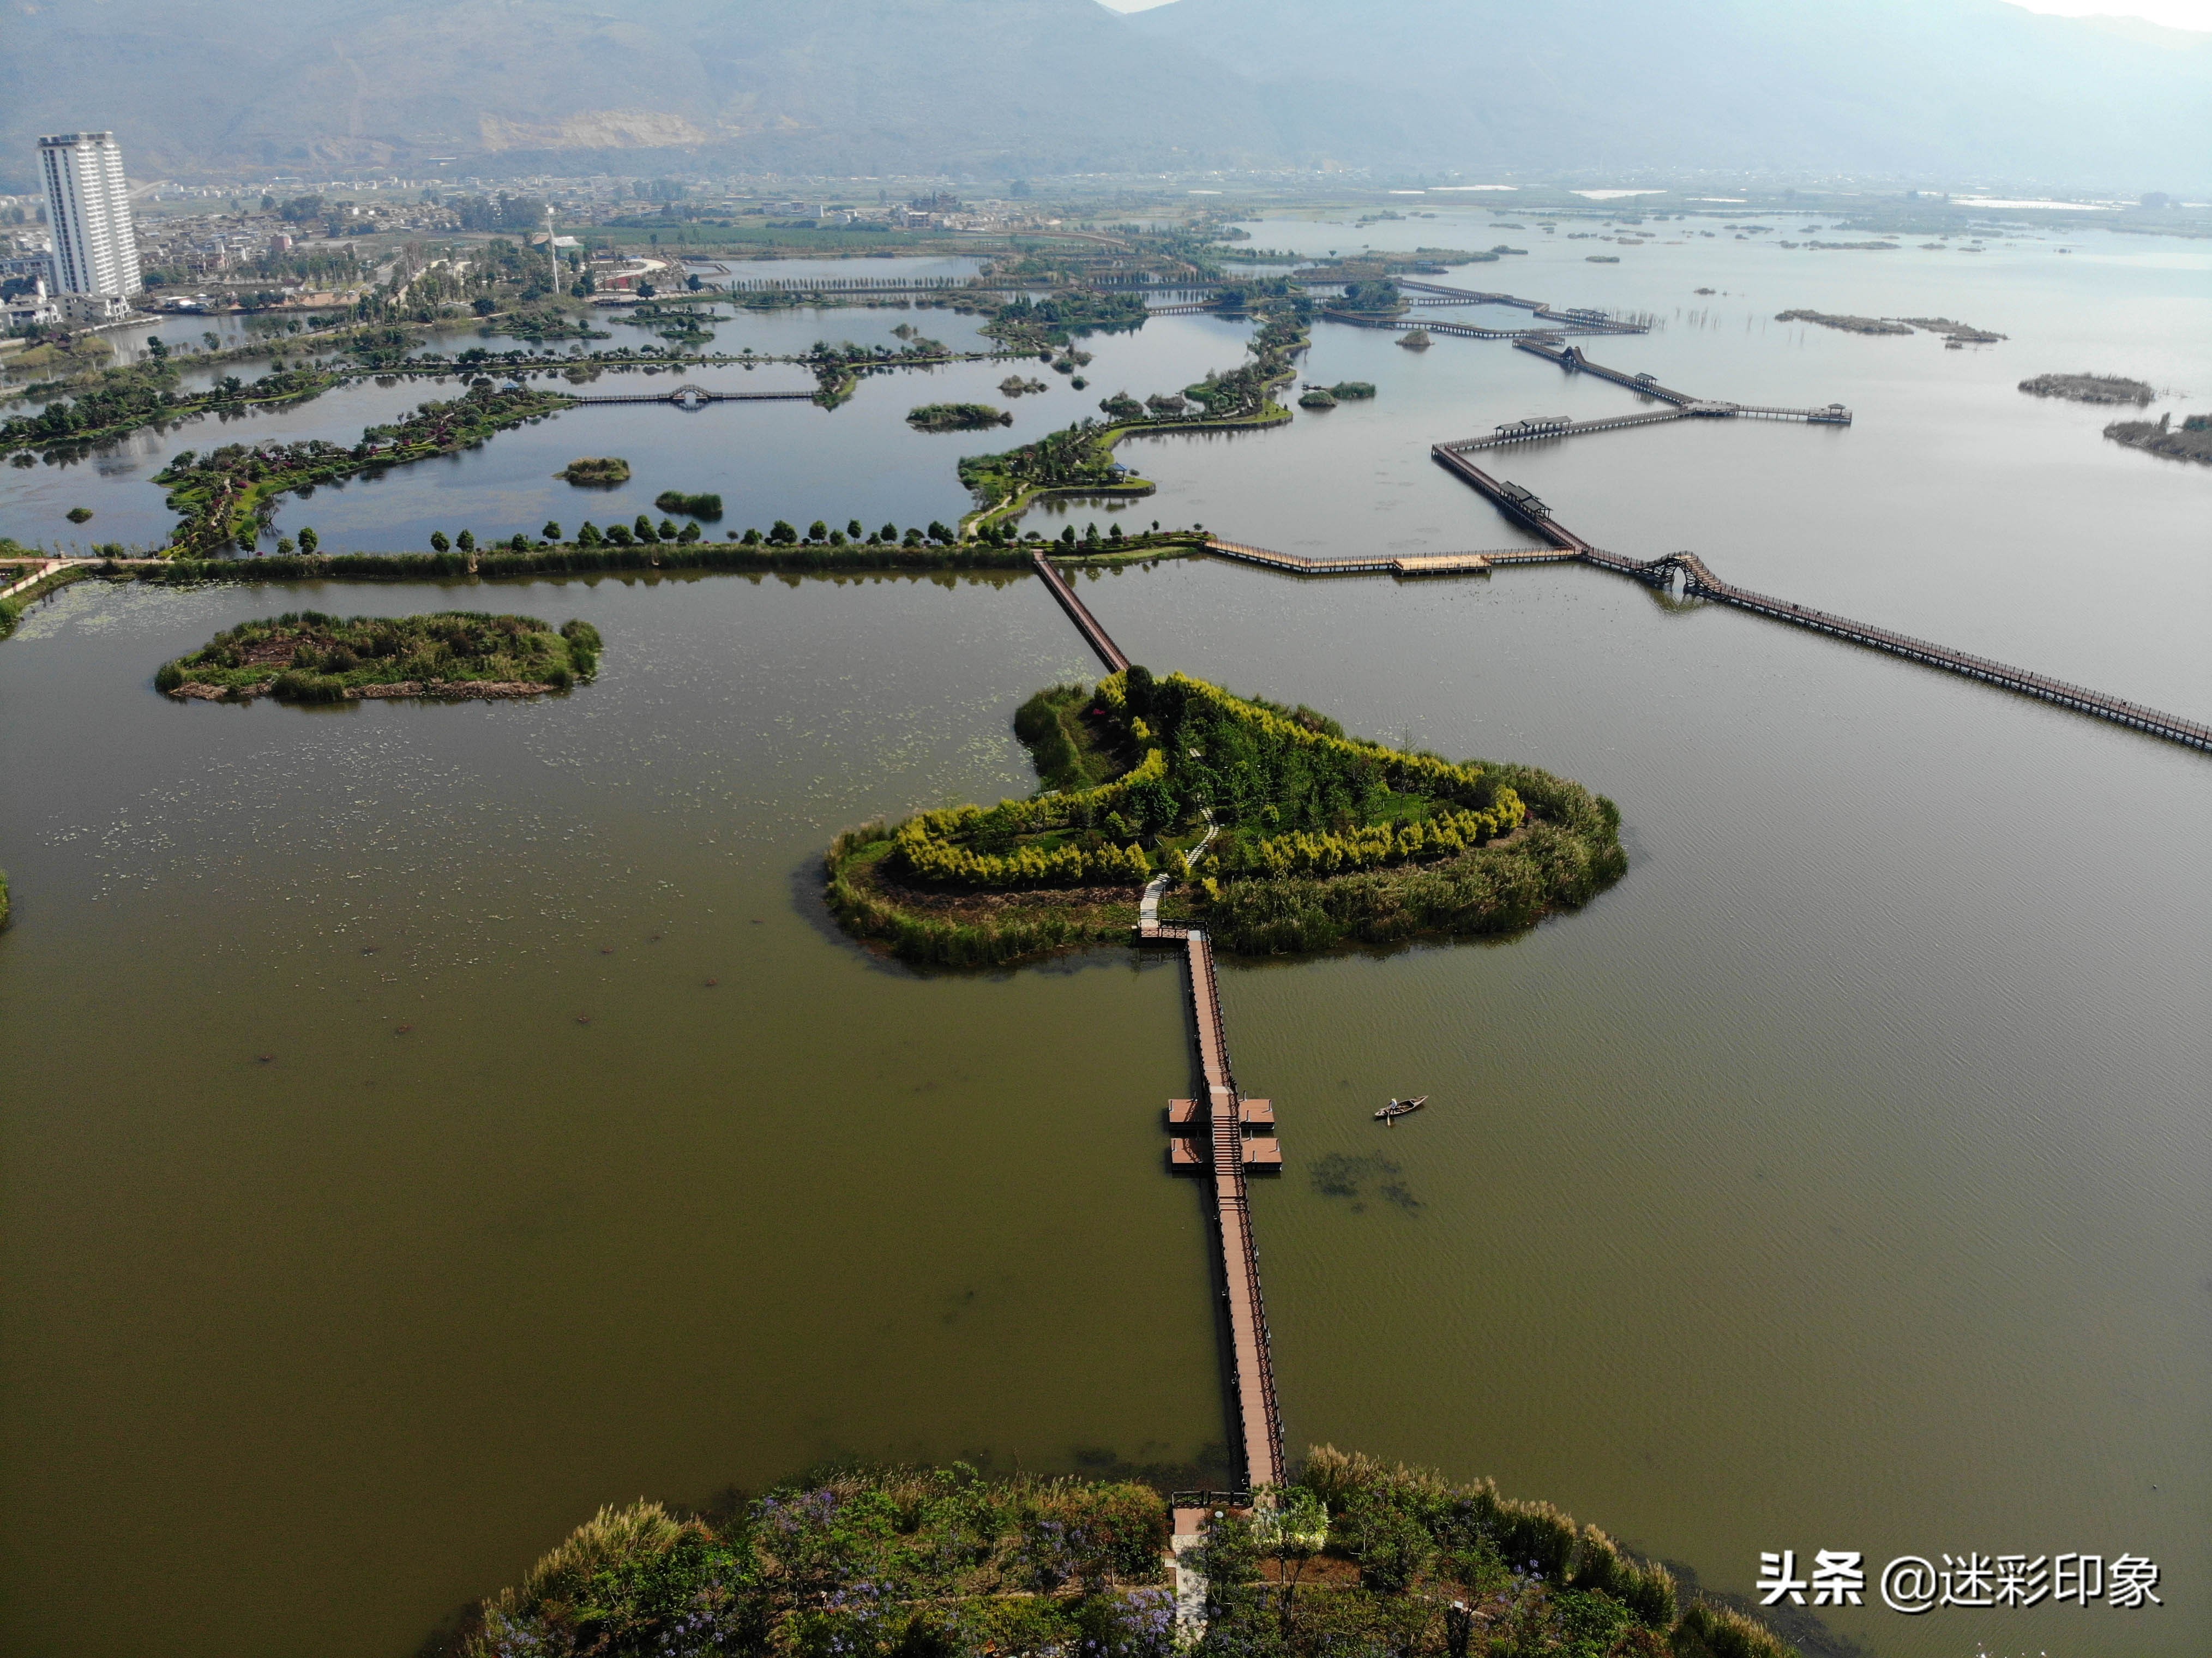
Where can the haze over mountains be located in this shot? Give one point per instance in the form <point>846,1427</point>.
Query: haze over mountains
<point>1937,91</point>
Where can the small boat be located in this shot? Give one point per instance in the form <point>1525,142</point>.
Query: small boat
<point>1389,1114</point>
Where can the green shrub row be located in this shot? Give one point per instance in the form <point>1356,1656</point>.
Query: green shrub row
<point>579,560</point>
<point>1444,837</point>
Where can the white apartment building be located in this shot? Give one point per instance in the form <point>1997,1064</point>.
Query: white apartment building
<point>88,209</point>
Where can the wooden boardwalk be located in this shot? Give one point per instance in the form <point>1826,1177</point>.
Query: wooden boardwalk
<point>1078,613</point>
<point>1218,1124</point>
<point>698,396</point>
<point>1399,564</point>
<point>1699,581</point>
<point>1223,1116</point>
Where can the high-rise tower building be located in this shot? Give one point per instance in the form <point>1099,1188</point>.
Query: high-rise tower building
<point>88,208</point>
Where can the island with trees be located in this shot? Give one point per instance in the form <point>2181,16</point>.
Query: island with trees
<point>2090,388</point>
<point>956,418</point>
<point>1844,324</point>
<point>1282,834</point>
<point>1355,1556</point>
<point>595,472</point>
<point>305,656</point>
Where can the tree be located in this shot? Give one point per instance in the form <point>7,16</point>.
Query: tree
<point>466,541</point>
<point>852,529</point>
<point>888,533</point>
<point>643,529</point>
<point>308,540</point>
<point>439,543</point>
<point>817,530</point>
<point>551,531</point>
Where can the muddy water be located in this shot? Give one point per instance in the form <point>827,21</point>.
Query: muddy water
<point>1836,1181</point>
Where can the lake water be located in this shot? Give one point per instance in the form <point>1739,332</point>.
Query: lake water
<point>1835,1181</point>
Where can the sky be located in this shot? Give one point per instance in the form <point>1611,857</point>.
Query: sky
<point>2173,13</point>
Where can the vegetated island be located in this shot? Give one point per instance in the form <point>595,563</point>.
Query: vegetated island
<point>1417,340</point>
<point>1846,324</point>
<point>955,417</point>
<point>2090,388</point>
<point>1317,839</point>
<point>2190,440</point>
<point>1355,1556</point>
<point>1956,332</point>
<point>595,472</point>
<point>708,507</point>
<point>305,656</point>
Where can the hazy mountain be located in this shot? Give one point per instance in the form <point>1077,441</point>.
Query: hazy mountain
<point>862,86</point>
<point>1940,89</point>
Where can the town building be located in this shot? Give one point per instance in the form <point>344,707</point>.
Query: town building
<point>88,209</point>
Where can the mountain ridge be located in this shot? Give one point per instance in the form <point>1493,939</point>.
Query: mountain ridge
<point>1939,90</point>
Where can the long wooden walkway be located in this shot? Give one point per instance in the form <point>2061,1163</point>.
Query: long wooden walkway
<point>1399,564</point>
<point>1574,361</point>
<point>1259,1422</point>
<point>1079,613</point>
<point>1699,581</point>
<point>698,396</point>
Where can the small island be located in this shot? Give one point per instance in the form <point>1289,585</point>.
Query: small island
<point>305,656</point>
<point>595,472</point>
<point>1282,834</point>
<point>1416,340</point>
<point>2190,440</point>
<point>2090,388</point>
<point>708,507</point>
<point>955,417</point>
<point>1846,324</point>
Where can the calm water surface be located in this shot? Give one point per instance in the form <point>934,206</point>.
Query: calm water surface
<point>1837,1180</point>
